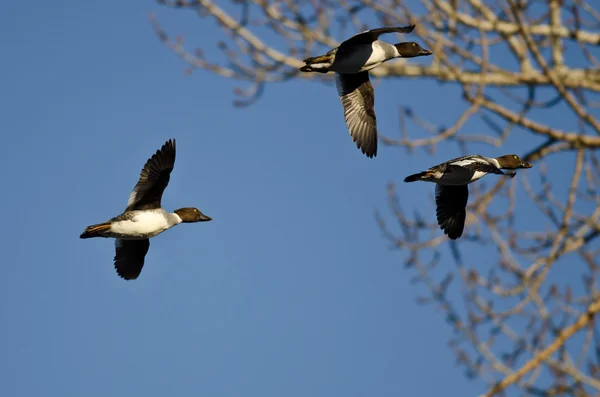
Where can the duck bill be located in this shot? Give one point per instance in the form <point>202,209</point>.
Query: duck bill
<point>425,52</point>
<point>205,218</point>
<point>526,165</point>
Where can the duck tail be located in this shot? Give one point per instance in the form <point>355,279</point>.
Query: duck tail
<point>319,59</point>
<point>318,64</point>
<point>95,230</point>
<point>418,177</point>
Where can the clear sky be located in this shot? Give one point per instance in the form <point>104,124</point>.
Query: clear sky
<point>291,289</point>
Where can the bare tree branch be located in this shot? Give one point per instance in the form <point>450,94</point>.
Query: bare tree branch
<point>520,296</point>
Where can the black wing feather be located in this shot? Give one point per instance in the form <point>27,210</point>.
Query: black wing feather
<point>358,99</point>
<point>129,257</point>
<point>482,167</point>
<point>451,208</point>
<point>371,35</point>
<point>154,178</point>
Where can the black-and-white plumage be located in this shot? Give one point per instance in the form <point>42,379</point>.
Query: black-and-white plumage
<point>130,256</point>
<point>452,179</point>
<point>358,99</point>
<point>351,61</point>
<point>362,52</point>
<point>460,171</point>
<point>451,208</point>
<point>144,216</point>
<point>154,178</point>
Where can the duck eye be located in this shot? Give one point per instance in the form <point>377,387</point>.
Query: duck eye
<point>515,157</point>
<point>195,209</point>
<point>414,44</point>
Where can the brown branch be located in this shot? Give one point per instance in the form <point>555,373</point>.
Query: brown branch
<point>510,64</point>
<point>560,340</point>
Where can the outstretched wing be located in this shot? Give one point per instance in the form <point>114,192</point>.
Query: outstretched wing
<point>451,208</point>
<point>154,178</point>
<point>369,36</point>
<point>358,99</point>
<point>129,257</point>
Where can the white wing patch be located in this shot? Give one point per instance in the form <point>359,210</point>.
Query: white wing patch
<point>132,197</point>
<point>472,160</point>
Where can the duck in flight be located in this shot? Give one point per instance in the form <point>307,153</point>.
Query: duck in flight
<point>144,217</point>
<point>451,185</point>
<point>351,62</point>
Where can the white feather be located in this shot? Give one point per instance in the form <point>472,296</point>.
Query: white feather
<point>132,197</point>
<point>379,55</point>
<point>463,176</point>
<point>321,65</point>
<point>363,57</point>
<point>483,160</point>
<point>144,224</point>
<point>465,162</point>
<point>477,175</point>
<point>493,161</point>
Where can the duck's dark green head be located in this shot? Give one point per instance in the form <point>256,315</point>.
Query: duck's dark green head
<point>191,214</point>
<point>512,162</point>
<point>411,50</point>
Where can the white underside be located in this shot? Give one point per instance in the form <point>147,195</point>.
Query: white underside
<point>144,225</point>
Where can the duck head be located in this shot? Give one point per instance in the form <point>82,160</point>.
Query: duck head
<point>191,214</point>
<point>411,49</point>
<point>512,162</point>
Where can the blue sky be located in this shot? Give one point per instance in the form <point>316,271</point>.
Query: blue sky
<point>289,291</point>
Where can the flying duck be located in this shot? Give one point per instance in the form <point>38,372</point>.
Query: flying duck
<point>351,62</point>
<point>144,217</point>
<point>451,191</point>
